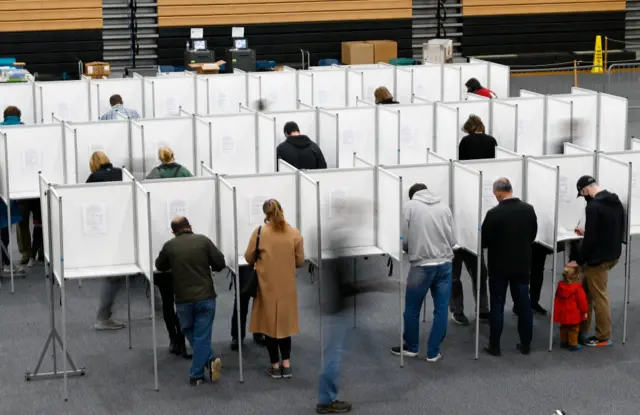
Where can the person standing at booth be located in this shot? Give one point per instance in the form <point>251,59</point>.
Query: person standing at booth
<point>191,258</point>
<point>280,251</point>
<point>299,151</point>
<point>117,106</point>
<point>428,237</point>
<point>601,248</point>
<point>508,232</point>
<point>475,87</point>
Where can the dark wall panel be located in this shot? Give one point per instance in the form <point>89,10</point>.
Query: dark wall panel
<point>53,52</point>
<point>282,42</point>
<point>538,33</point>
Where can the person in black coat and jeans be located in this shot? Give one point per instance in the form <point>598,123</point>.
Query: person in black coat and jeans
<point>508,232</point>
<point>299,151</point>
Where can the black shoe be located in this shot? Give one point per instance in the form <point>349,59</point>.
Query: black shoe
<point>524,348</point>
<point>485,315</point>
<point>537,309</point>
<point>196,381</point>
<point>493,350</point>
<point>175,348</point>
<point>274,373</point>
<point>186,355</point>
<point>260,340</point>
<point>337,407</point>
<point>234,345</point>
<point>460,319</point>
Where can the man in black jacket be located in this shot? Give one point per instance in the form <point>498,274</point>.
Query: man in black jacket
<point>508,232</point>
<point>299,151</point>
<point>601,248</point>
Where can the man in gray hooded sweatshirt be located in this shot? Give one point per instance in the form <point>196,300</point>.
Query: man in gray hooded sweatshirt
<point>428,237</point>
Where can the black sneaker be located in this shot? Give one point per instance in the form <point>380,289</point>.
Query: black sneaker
<point>196,381</point>
<point>337,407</point>
<point>274,373</point>
<point>537,309</point>
<point>234,345</point>
<point>174,348</point>
<point>460,319</point>
<point>214,367</point>
<point>524,348</point>
<point>405,351</point>
<point>287,372</point>
<point>493,350</point>
<point>260,340</point>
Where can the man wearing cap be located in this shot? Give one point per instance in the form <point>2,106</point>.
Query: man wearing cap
<point>508,232</point>
<point>601,248</point>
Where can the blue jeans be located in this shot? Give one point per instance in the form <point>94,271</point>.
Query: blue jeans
<point>336,328</point>
<point>196,320</point>
<point>422,279</point>
<point>522,305</point>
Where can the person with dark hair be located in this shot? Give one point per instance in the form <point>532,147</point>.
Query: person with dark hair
<point>117,106</point>
<point>428,237</point>
<point>508,232</point>
<point>601,249</point>
<point>474,87</point>
<point>275,308</point>
<point>12,116</point>
<point>299,151</point>
<point>191,258</point>
<point>477,144</point>
<point>384,97</point>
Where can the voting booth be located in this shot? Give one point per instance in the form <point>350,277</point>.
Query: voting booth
<point>405,132</point>
<point>518,124</point>
<point>342,132</point>
<point>499,77</point>
<point>422,81</point>
<point>446,131</point>
<point>130,89</point>
<point>613,123</point>
<point>558,117</point>
<point>584,118</point>
<point>67,100</point>
<point>221,93</point>
<point>21,95</point>
<point>305,118</point>
<point>323,88</point>
<point>278,90</point>
<point>164,96</point>
<point>229,143</point>
<point>363,82</point>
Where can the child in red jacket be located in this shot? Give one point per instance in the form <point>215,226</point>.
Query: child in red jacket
<point>570,308</point>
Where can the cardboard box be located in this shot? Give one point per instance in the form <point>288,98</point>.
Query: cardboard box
<point>97,69</point>
<point>207,68</point>
<point>356,53</point>
<point>384,50</point>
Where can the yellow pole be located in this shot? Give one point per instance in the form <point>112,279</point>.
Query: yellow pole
<point>575,73</point>
<point>606,53</point>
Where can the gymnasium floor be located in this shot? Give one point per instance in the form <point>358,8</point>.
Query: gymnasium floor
<point>120,381</point>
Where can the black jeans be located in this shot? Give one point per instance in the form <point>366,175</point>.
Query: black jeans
<point>278,348</point>
<point>520,294</point>
<point>244,310</point>
<point>538,258</point>
<point>165,285</point>
<point>456,303</point>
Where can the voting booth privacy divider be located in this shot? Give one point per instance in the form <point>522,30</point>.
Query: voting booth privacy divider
<point>363,82</point>
<point>277,89</point>
<point>23,96</point>
<point>423,81</point>
<point>165,95</point>
<point>353,130</point>
<point>67,100</point>
<point>130,89</point>
<point>317,88</point>
<point>405,132</point>
<point>221,93</point>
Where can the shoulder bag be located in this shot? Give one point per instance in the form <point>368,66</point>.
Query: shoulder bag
<point>249,276</point>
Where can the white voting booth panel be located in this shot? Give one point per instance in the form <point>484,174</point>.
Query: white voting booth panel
<point>93,229</point>
<point>130,89</point>
<point>228,143</point>
<point>347,195</point>
<point>21,95</point>
<point>477,70</point>
<point>356,134</point>
<point>437,178</point>
<point>251,193</point>
<point>83,139</point>
<point>323,88</point>
<point>310,217</point>
<point>417,126</point>
<point>363,82</point>
<point>388,136</point>
<point>175,133</point>
<point>467,187</point>
<point>530,125</point>
<point>267,143</point>
<point>44,208</point>
<point>452,84</point>
<point>277,89</point>
<point>193,198</point>
<point>635,144</point>
<point>29,150</point>
<point>328,137</point>
<point>144,237</point>
<point>390,217</point>
<point>558,125</point>
<point>306,120</point>
<point>499,77</point>
<point>68,100</point>
<point>468,108</point>
<point>570,149</point>
<point>426,82</point>
<point>164,96</point>
<point>632,157</point>
<point>436,158</point>
<point>616,176</point>
<point>570,207</point>
<point>542,194</point>
<point>228,231</point>
<point>503,153</point>
<point>613,123</point>
<point>529,94</point>
<point>221,93</point>
<point>446,136</point>
<point>504,123</point>
<point>492,170</point>
<point>584,121</point>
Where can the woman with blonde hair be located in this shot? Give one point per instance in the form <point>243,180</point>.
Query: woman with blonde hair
<point>169,168</point>
<point>476,144</point>
<point>276,250</point>
<point>384,96</point>
<point>102,170</point>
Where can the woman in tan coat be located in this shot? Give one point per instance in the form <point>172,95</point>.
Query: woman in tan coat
<point>275,308</point>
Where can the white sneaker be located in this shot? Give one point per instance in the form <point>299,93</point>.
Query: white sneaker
<point>6,270</point>
<point>108,325</point>
<point>434,359</point>
<point>31,263</point>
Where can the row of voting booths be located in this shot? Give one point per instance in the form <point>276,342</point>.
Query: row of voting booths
<point>334,86</point>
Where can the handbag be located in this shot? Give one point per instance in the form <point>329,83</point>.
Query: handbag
<point>249,276</point>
